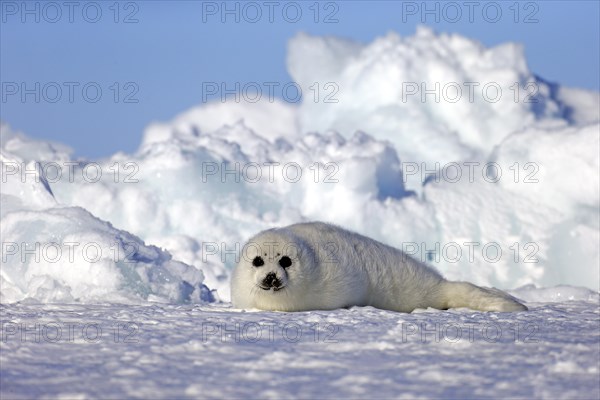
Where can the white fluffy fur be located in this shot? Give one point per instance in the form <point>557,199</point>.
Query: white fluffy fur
<point>334,268</point>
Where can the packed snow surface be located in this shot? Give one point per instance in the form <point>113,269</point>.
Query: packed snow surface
<point>194,351</point>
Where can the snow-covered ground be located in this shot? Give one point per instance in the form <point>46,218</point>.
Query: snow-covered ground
<point>143,244</point>
<point>212,351</point>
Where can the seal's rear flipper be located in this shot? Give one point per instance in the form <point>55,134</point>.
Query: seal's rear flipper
<point>464,294</point>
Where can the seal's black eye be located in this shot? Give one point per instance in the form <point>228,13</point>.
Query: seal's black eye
<point>258,261</point>
<point>285,261</point>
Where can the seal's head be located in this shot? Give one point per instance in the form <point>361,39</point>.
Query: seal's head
<point>274,272</point>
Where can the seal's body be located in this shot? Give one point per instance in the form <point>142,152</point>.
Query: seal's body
<point>319,266</point>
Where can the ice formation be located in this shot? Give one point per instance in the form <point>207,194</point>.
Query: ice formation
<point>200,185</point>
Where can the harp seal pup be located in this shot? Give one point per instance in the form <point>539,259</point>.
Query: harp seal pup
<point>319,266</point>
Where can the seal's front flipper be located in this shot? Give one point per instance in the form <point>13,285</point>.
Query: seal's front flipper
<point>464,294</point>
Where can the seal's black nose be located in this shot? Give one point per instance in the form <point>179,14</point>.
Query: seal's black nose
<point>271,280</point>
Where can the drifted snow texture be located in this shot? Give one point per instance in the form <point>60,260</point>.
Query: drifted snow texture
<point>187,351</point>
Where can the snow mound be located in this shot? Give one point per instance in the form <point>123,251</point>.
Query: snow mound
<point>437,97</point>
<point>60,254</point>
<point>21,147</point>
<point>258,116</point>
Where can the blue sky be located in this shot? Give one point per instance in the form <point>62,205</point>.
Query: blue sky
<point>159,53</point>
